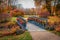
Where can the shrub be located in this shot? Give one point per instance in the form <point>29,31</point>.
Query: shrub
<point>16,13</point>
<point>4,18</point>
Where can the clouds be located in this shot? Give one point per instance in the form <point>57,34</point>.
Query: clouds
<point>26,3</point>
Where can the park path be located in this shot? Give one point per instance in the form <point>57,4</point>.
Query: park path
<point>40,34</point>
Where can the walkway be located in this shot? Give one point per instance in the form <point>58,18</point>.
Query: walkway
<point>40,34</point>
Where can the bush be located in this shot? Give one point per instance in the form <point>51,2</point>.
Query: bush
<point>4,18</point>
<point>46,28</point>
<point>51,28</point>
<point>19,32</point>
<point>16,13</point>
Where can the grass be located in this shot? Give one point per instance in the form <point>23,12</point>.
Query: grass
<point>57,33</point>
<point>24,36</point>
<point>13,18</point>
<point>26,16</point>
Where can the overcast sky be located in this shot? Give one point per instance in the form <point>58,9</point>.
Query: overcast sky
<point>26,3</point>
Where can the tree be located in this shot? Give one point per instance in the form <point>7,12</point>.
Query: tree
<point>3,16</point>
<point>17,12</point>
<point>48,5</point>
<point>44,13</point>
<point>57,7</point>
<point>0,6</point>
<point>1,1</point>
<point>58,10</point>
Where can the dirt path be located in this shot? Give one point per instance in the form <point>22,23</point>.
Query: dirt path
<point>40,34</point>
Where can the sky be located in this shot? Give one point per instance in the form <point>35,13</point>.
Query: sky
<point>26,3</point>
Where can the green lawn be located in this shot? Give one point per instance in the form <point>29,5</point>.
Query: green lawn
<point>13,18</point>
<point>57,33</point>
<point>24,36</point>
<point>26,16</point>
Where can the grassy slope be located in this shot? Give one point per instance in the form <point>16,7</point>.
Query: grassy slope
<point>57,33</point>
<point>24,36</point>
<point>13,19</point>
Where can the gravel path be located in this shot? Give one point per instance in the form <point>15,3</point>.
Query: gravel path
<point>40,34</point>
